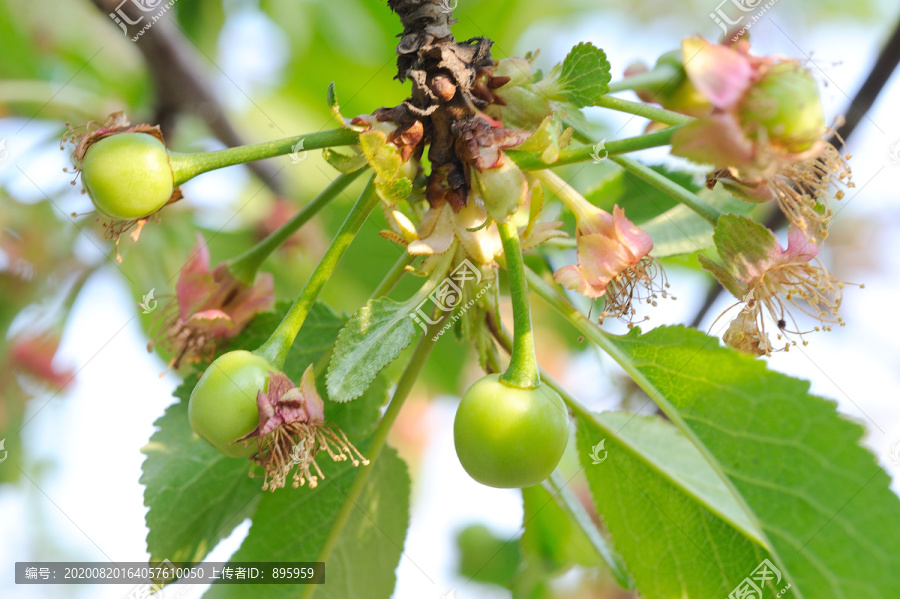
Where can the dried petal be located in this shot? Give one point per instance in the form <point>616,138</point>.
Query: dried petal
<point>211,305</point>
<point>293,431</point>
<point>765,276</point>
<point>612,261</point>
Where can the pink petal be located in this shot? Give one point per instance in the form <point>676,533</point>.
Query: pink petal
<point>34,354</point>
<point>635,239</point>
<point>756,191</point>
<point>570,276</point>
<point>213,322</point>
<point>601,259</point>
<point>268,403</point>
<point>716,139</point>
<point>315,408</point>
<point>195,282</point>
<point>256,299</point>
<point>435,232</point>
<point>800,248</point>
<point>302,404</point>
<point>594,221</point>
<point>719,73</point>
<point>269,419</point>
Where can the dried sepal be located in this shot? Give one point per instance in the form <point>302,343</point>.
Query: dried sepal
<point>292,431</point>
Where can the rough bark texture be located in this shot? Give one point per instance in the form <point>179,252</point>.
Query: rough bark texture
<point>451,83</point>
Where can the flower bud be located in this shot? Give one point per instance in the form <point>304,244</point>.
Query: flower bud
<point>785,103</point>
<point>517,69</point>
<point>503,189</point>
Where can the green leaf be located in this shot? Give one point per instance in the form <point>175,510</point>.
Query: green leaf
<point>746,249</point>
<point>821,500</point>
<point>196,495</point>
<point>372,339</point>
<point>679,528</point>
<point>725,278</point>
<point>549,138</point>
<point>331,96</point>
<point>582,78</point>
<point>345,163</point>
<point>385,160</point>
<point>292,525</point>
<point>680,230</point>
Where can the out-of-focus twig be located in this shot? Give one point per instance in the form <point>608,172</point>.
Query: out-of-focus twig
<point>182,87</point>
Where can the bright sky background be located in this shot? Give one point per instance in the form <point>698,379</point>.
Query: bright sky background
<point>85,501</point>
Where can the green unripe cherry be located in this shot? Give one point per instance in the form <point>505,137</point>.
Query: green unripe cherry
<point>508,437</point>
<point>786,103</point>
<point>223,408</point>
<point>128,175</point>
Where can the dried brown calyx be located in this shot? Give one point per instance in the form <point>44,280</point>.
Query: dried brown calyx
<point>451,83</point>
<point>292,432</point>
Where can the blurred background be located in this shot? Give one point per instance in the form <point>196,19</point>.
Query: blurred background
<point>78,390</point>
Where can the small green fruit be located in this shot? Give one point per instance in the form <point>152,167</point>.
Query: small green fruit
<point>128,175</point>
<point>786,103</point>
<point>508,437</point>
<point>223,408</point>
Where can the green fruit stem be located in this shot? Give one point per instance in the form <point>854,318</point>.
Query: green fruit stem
<point>276,348</point>
<point>186,166</point>
<point>379,439</point>
<point>528,161</point>
<point>660,115</point>
<point>604,340</point>
<point>245,266</point>
<point>556,486</point>
<point>523,369</point>
<point>661,76</point>
<point>666,185</point>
